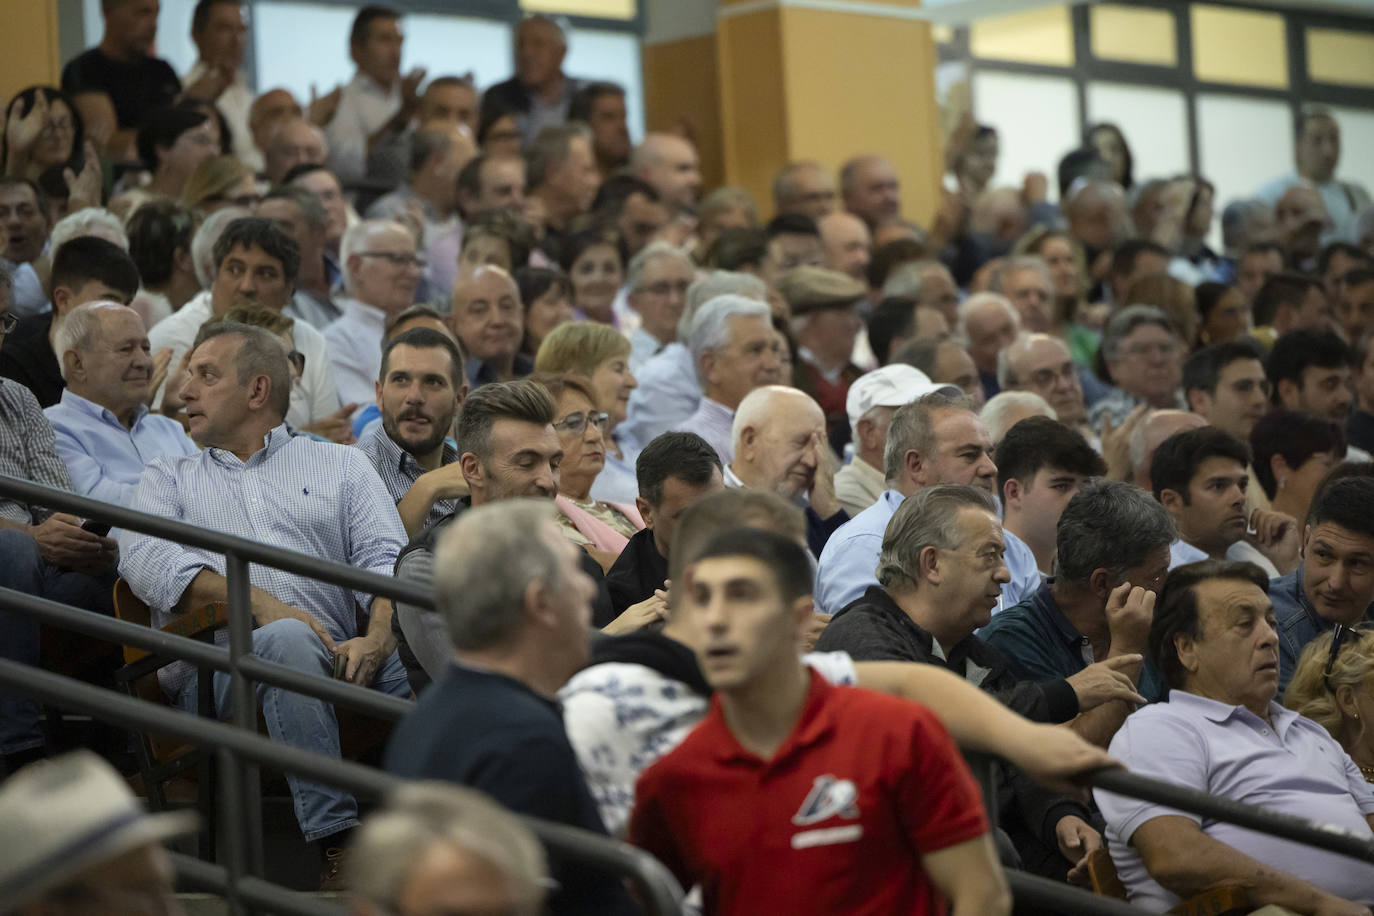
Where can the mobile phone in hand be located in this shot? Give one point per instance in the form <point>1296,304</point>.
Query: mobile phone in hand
<point>340,666</point>
<point>97,528</point>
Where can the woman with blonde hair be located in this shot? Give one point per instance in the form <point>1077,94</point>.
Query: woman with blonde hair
<point>600,357</point>
<point>218,182</point>
<point>1333,687</point>
<point>1075,319</point>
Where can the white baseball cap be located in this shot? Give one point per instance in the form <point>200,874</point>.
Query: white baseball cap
<point>890,386</point>
<point>62,816</point>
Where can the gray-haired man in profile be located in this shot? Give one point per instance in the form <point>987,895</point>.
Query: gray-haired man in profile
<point>517,604</point>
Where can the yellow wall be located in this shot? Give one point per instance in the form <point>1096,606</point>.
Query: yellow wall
<point>681,85</point>
<point>28,45</point>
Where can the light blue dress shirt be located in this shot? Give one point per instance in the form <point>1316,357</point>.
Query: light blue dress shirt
<point>668,393</point>
<point>715,423</point>
<point>643,347</point>
<point>1292,766</point>
<point>104,458</point>
<point>849,563</point>
<point>297,493</point>
<point>355,351</point>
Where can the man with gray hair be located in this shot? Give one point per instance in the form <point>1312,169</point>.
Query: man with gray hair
<point>669,390</point>
<point>1025,280</point>
<point>1041,364</point>
<point>1112,557</point>
<point>540,93</point>
<point>988,323</point>
<point>804,187</point>
<point>105,434</point>
<point>562,176</point>
<point>382,273</point>
<point>657,280</point>
<point>735,351</point>
<point>254,479</point>
<point>438,153</point>
<point>1143,356</point>
<point>937,439</point>
<point>669,163</point>
<point>434,847</point>
<point>939,575</point>
<point>517,605</point>
<point>871,190</point>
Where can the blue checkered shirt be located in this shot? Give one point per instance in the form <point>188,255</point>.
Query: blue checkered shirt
<point>399,470</point>
<point>27,450</point>
<point>314,497</point>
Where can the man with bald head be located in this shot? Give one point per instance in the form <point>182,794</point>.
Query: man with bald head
<point>848,244</point>
<point>540,92</point>
<point>1157,426</point>
<point>871,190</point>
<point>669,163</point>
<point>488,319</point>
<point>804,188</point>
<point>267,111</point>
<point>780,446</point>
<point>291,141</point>
<point>381,274</point>
<point>105,434</point>
<point>989,323</point>
<point>438,152</point>
<point>1041,364</point>
<point>1301,218</point>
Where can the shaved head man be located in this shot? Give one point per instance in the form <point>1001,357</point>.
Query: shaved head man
<point>871,190</point>
<point>669,163</point>
<point>847,242</point>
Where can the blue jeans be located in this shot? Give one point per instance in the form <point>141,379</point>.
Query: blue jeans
<point>22,569</point>
<point>301,721</point>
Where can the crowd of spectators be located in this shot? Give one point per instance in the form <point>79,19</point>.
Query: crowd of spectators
<point>739,514</point>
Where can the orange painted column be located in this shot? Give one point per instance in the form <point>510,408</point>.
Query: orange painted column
<point>826,80</point>
<point>28,45</point>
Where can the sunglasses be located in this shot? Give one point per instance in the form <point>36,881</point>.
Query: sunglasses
<point>1338,639</point>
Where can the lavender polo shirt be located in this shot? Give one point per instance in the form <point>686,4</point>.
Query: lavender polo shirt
<point>1294,768</point>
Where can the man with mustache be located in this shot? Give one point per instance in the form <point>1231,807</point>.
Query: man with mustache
<point>105,433</point>
<point>1335,582</point>
<point>1200,476</point>
<point>419,391</point>
<point>1213,637</point>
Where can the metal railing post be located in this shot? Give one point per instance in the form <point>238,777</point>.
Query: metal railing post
<point>232,816</point>
<point>244,703</point>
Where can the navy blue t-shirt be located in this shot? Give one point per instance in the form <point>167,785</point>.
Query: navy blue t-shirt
<point>491,732</point>
<point>135,87</point>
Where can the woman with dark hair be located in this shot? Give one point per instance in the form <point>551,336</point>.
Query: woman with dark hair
<point>593,261</point>
<point>160,234</point>
<point>547,296</point>
<point>1110,143</point>
<point>498,131</point>
<point>172,143</point>
<point>1292,454</point>
<point>43,129</point>
<point>1224,313</point>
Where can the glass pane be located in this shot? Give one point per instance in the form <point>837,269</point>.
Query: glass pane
<point>1040,36</point>
<point>1036,119</point>
<point>1239,46</point>
<point>1135,35</point>
<point>1243,143</point>
<point>286,59</point>
<point>1336,56</point>
<point>610,56</point>
<point>1357,138</point>
<point>1154,121</point>
<point>485,46</point>
<point>174,43</point>
<point>606,9</point>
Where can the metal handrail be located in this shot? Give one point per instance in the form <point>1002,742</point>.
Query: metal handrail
<point>653,880</point>
<point>216,541</point>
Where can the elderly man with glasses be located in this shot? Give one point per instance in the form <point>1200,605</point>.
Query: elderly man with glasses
<point>1143,356</point>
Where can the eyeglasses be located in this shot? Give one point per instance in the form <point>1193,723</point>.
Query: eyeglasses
<point>396,258</point>
<point>1165,348</point>
<point>8,323</point>
<point>297,360</point>
<point>667,288</point>
<point>1044,378</point>
<point>575,423</point>
<point>1337,640</point>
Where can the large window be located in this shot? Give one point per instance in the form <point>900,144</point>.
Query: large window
<point>300,44</point>
<point>1210,87</point>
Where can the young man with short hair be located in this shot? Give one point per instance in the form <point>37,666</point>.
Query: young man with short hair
<point>867,801</point>
<point>1041,464</point>
<point>1226,385</point>
<point>1201,477</point>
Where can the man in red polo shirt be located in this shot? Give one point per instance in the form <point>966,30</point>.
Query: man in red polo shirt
<point>796,796</point>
